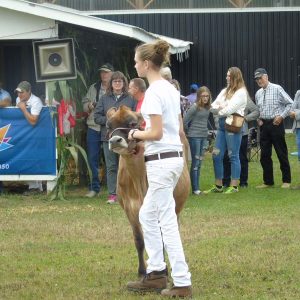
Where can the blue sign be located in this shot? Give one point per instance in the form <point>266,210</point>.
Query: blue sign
<point>27,149</point>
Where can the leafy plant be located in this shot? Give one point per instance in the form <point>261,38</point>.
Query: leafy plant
<point>67,146</point>
<point>67,150</point>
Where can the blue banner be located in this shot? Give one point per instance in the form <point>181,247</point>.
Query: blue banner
<point>27,149</point>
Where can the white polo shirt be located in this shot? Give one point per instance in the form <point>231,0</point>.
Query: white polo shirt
<point>34,103</point>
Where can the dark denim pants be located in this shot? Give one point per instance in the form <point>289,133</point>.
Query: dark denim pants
<point>94,152</point>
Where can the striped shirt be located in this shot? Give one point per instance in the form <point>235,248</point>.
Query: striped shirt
<point>4,95</point>
<point>273,101</point>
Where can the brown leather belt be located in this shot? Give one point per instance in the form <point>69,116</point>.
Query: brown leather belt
<point>163,155</point>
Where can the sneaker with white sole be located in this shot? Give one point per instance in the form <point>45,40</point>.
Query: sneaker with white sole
<point>197,192</point>
<point>91,194</point>
<point>231,190</point>
<point>214,189</point>
<point>286,185</point>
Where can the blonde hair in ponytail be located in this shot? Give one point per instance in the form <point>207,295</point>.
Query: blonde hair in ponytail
<point>157,53</point>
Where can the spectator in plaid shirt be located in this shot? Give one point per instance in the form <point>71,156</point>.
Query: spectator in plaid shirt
<point>274,105</point>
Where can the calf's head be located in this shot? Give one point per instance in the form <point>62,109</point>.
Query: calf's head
<point>119,123</point>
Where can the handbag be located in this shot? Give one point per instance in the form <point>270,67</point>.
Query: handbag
<point>234,123</point>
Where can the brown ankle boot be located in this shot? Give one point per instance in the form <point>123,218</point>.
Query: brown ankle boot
<point>178,291</point>
<point>152,282</point>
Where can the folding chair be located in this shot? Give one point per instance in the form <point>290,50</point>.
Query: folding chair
<point>210,137</point>
<point>253,152</point>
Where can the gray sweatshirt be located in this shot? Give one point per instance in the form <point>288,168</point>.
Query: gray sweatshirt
<point>296,109</point>
<point>195,122</point>
<point>251,114</point>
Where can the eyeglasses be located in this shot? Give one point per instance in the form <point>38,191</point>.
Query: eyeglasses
<point>117,81</point>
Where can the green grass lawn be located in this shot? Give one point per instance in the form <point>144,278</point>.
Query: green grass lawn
<point>239,246</point>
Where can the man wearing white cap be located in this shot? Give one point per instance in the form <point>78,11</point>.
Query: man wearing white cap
<point>24,101</point>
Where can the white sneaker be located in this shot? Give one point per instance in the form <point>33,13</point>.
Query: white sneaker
<point>91,194</point>
<point>198,192</point>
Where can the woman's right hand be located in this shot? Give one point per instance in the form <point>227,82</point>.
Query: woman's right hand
<point>292,114</point>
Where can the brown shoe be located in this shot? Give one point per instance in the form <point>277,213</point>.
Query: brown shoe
<point>264,186</point>
<point>178,291</point>
<point>285,185</point>
<point>152,282</point>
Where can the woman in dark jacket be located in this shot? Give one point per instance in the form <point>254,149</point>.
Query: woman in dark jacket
<point>116,95</point>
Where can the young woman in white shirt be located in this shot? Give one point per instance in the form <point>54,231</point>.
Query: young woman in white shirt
<point>164,165</point>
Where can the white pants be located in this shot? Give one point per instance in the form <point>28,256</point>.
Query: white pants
<point>159,221</point>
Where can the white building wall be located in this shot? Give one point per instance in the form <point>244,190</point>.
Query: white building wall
<point>17,26</point>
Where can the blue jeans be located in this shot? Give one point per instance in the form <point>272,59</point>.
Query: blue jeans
<point>298,141</point>
<point>112,164</point>
<point>231,142</point>
<point>93,152</point>
<point>197,145</point>
<point>244,164</point>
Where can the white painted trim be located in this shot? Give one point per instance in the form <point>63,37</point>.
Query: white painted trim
<point>26,177</point>
<point>189,11</point>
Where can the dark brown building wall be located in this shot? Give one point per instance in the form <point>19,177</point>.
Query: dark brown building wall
<point>247,40</point>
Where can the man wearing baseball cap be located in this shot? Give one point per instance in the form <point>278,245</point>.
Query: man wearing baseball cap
<point>26,100</point>
<point>193,95</point>
<point>274,105</point>
<point>96,90</point>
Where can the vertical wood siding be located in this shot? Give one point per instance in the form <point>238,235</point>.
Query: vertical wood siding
<point>247,40</point>
<point>163,4</point>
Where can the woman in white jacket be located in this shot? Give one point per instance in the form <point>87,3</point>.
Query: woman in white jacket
<point>232,99</point>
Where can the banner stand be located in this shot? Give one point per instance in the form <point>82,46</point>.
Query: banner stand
<point>28,153</point>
